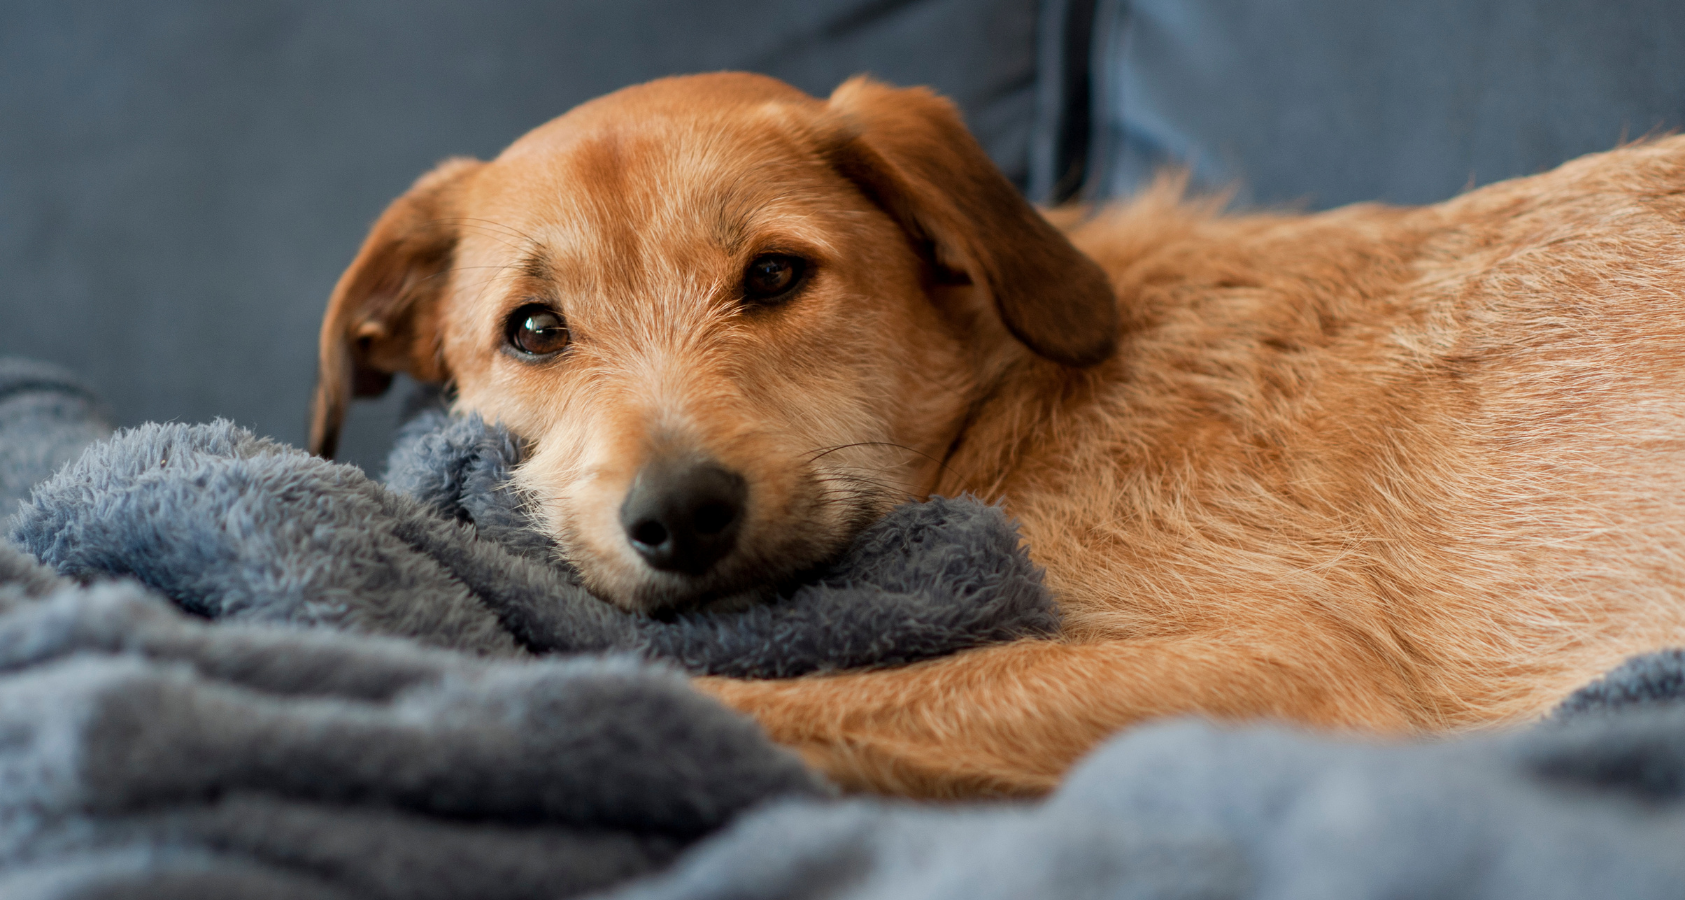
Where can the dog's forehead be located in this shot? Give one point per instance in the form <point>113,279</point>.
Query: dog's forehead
<point>644,179</point>
<point>666,132</point>
<point>694,98</point>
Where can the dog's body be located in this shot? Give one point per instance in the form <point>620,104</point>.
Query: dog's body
<point>1385,469</point>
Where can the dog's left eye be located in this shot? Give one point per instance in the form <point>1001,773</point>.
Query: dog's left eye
<point>771,277</point>
<point>536,330</point>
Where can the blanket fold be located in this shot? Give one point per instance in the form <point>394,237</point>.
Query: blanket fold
<point>147,751</point>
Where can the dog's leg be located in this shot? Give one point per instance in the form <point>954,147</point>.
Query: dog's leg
<point>1009,720</point>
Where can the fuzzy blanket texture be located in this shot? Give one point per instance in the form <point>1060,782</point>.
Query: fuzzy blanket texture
<point>253,710</point>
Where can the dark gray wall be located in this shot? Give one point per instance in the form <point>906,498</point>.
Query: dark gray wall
<point>181,181</point>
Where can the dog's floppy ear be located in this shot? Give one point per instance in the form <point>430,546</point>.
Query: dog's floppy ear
<point>382,317</point>
<point>910,153</point>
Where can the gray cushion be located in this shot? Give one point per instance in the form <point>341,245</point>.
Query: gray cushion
<point>1325,102</point>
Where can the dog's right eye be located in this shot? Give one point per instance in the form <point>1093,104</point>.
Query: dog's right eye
<point>536,330</point>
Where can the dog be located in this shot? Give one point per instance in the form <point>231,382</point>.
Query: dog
<point>1382,470</point>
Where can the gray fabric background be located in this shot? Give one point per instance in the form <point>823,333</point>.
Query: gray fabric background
<point>1325,102</point>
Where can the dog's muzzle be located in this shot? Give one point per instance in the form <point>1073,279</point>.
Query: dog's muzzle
<point>683,515</point>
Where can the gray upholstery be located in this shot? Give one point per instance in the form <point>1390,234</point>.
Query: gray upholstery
<point>181,181</point>
<point>1327,102</point>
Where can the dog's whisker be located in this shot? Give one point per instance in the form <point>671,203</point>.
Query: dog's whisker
<point>821,452</point>
<point>845,478</point>
<point>854,488</point>
<point>844,469</point>
<point>873,486</point>
<point>861,480</point>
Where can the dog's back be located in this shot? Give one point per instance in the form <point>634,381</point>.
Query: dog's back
<point>1440,450</point>
<point>1384,469</point>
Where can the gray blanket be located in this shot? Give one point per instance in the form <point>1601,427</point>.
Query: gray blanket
<point>148,752</point>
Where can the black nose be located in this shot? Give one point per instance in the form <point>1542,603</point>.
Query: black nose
<point>683,515</point>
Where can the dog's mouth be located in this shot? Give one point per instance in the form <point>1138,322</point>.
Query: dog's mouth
<point>756,572</point>
<point>737,585</point>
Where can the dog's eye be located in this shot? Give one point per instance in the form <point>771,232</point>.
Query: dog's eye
<point>536,330</point>
<point>771,277</point>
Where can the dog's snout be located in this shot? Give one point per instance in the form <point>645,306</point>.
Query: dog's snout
<point>684,515</point>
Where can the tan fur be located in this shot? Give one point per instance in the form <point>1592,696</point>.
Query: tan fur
<point>1394,470</point>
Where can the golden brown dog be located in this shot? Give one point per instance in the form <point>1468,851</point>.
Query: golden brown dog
<point>1403,470</point>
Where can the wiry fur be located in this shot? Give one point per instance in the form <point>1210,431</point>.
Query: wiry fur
<point>1386,469</point>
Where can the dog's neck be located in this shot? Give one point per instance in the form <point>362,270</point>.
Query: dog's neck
<point>1012,415</point>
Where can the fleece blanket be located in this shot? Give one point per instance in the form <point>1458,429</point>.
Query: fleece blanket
<point>149,754</point>
<point>179,734</point>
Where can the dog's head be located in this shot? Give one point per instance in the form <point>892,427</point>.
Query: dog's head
<point>736,323</point>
